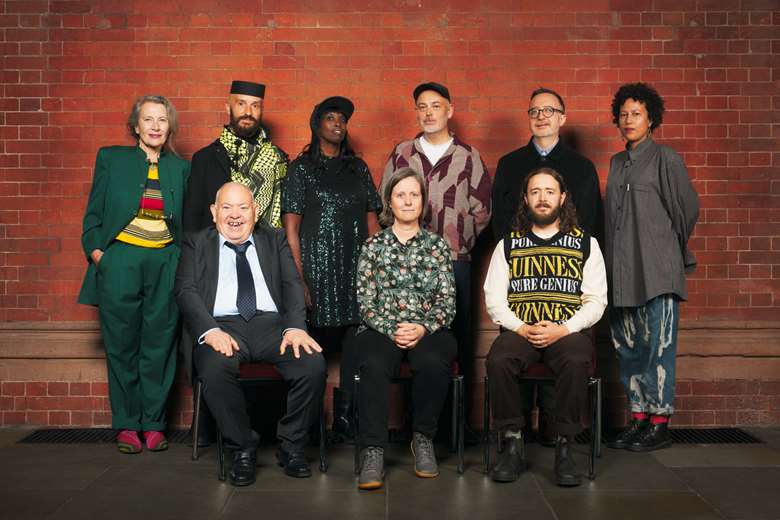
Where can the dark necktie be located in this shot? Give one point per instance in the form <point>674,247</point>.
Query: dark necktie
<point>245,299</point>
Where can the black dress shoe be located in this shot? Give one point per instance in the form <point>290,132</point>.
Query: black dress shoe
<point>294,463</point>
<point>627,436</point>
<point>242,473</point>
<point>655,437</point>
<point>510,462</point>
<point>566,472</point>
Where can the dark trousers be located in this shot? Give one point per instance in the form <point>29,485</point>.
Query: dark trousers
<point>379,360</point>
<point>339,339</point>
<point>569,358</point>
<point>259,340</point>
<point>138,319</point>
<point>461,327</point>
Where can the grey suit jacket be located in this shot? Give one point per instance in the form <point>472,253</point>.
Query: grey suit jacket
<point>196,282</point>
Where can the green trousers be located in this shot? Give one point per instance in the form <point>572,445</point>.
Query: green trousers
<point>139,321</point>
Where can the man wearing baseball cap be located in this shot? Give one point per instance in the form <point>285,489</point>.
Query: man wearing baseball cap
<point>458,203</point>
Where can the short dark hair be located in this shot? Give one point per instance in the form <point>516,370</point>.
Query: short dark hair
<point>568,215</point>
<point>386,217</point>
<point>646,95</point>
<point>543,90</point>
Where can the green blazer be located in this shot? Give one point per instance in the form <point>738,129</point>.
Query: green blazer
<point>117,187</point>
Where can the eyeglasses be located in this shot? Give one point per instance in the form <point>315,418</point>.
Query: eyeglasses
<point>533,113</point>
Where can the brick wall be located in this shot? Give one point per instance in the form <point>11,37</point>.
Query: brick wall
<point>70,70</point>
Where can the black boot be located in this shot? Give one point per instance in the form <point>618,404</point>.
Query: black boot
<point>626,437</point>
<point>342,414</point>
<point>511,462</point>
<point>566,472</point>
<point>655,437</point>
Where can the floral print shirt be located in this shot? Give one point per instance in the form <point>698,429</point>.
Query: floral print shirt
<point>410,282</point>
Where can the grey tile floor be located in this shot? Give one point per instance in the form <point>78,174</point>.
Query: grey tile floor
<point>40,481</point>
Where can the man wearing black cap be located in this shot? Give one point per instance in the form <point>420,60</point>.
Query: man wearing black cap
<point>458,197</point>
<point>244,154</point>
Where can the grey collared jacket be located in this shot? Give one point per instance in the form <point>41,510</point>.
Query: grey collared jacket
<point>651,210</point>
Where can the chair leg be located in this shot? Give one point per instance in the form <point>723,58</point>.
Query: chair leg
<point>486,428</point>
<point>599,416</point>
<point>593,393</point>
<point>220,456</point>
<point>454,418</point>
<point>461,422</point>
<point>356,421</point>
<point>198,390</point>
<point>323,442</point>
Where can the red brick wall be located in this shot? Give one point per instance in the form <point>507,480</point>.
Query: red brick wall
<point>70,70</point>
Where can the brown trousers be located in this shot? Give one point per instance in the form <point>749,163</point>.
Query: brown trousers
<point>569,359</point>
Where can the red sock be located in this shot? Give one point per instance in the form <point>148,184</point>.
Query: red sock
<point>639,416</point>
<point>659,419</point>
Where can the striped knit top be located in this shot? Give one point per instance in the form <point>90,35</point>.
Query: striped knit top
<point>148,228</point>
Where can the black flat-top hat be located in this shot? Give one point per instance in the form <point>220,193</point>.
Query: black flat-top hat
<point>338,104</point>
<point>436,87</point>
<point>248,88</point>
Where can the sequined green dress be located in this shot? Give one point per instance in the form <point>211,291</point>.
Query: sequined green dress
<point>332,197</point>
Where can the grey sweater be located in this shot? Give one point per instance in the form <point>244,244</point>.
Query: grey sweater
<point>651,209</point>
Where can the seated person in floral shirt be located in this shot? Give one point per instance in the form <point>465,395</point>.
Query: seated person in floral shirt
<point>406,295</point>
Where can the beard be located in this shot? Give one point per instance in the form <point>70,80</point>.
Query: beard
<point>241,131</point>
<point>544,220</point>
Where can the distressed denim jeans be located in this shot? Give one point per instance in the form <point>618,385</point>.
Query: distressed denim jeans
<point>645,340</point>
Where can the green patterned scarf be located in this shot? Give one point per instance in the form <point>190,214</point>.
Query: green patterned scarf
<point>260,166</point>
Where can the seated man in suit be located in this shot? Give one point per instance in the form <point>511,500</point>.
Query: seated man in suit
<point>242,300</point>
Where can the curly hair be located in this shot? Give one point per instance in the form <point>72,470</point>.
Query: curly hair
<point>568,215</point>
<point>173,119</point>
<point>646,95</point>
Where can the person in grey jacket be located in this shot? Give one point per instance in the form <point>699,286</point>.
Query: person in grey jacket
<point>651,210</point>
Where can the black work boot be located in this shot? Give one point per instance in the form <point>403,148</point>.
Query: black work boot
<point>627,436</point>
<point>511,461</point>
<point>566,472</point>
<point>342,414</point>
<point>652,438</point>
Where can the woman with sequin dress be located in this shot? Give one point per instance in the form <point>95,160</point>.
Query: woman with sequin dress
<point>329,208</point>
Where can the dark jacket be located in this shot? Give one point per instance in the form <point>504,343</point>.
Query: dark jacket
<point>578,172</point>
<point>652,208</point>
<point>117,186</point>
<point>196,282</point>
<point>210,170</point>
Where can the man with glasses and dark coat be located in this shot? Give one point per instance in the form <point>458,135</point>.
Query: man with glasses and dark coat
<point>546,116</point>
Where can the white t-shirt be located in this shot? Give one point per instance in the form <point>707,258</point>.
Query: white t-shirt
<point>434,151</point>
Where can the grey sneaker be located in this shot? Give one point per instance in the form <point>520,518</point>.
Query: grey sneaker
<point>372,468</point>
<point>425,465</point>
